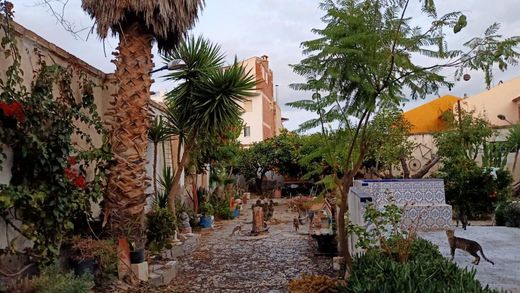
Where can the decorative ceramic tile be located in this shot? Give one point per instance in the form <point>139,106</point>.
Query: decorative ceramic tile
<point>423,200</point>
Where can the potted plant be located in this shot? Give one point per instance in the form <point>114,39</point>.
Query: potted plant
<point>137,249</point>
<point>83,255</point>
<point>94,256</point>
<point>206,209</point>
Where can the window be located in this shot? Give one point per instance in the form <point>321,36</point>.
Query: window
<point>247,131</point>
<point>248,106</point>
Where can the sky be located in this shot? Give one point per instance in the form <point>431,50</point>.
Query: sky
<point>246,28</point>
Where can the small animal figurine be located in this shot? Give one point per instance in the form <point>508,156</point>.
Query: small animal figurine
<point>238,229</point>
<point>472,247</point>
<point>296,224</point>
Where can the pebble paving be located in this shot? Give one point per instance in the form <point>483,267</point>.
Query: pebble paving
<point>224,263</point>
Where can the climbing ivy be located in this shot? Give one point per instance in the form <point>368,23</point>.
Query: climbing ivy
<point>57,171</point>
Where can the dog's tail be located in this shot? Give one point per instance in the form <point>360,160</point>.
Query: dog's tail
<point>482,253</point>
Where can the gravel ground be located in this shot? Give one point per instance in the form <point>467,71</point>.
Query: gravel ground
<point>250,264</point>
<point>500,244</point>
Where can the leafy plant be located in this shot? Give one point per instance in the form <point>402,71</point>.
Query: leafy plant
<point>160,199</point>
<point>52,280</point>
<point>161,224</point>
<point>206,209</point>
<point>426,271</point>
<point>104,252</point>
<point>384,231</point>
<point>507,213</point>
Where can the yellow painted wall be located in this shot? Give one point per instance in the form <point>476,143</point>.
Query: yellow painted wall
<point>428,117</point>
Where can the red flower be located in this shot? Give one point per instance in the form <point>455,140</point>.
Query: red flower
<point>71,174</point>
<point>80,182</point>
<point>13,110</point>
<point>72,160</point>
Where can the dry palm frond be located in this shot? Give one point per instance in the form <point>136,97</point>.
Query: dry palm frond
<point>166,20</point>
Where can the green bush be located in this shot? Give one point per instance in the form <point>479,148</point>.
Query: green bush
<point>207,209</point>
<point>222,210</point>
<point>425,271</point>
<point>53,280</point>
<point>161,226</point>
<point>508,214</point>
<point>500,219</point>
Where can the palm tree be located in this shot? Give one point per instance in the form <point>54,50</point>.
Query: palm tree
<point>137,23</point>
<point>158,132</point>
<point>205,103</point>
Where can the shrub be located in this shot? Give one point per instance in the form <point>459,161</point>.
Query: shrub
<point>207,209</point>
<point>222,210</point>
<point>512,214</point>
<point>53,280</point>
<point>499,213</point>
<point>425,271</point>
<point>103,251</point>
<point>161,226</point>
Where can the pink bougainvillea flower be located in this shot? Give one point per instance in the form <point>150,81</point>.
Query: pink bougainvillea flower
<point>72,160</point>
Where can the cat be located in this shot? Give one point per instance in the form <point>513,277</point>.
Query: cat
<point>238,229</point>
<point>472,247</point>
<point>296,224</point>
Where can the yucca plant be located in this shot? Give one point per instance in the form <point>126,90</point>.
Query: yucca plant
<point>160,199</point>
<point>205,102</point>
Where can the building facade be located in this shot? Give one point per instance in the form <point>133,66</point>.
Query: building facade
<point>262,115</point>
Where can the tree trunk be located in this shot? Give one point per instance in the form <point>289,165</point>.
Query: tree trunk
<point>404,165</point>
<point>129,123</point>
<point>426,168</point>
<point>346,182</point>
<point>155,144</point>
<point>176,186</point>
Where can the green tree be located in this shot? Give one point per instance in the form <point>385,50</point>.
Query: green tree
<point>205,101</point>
<point>471,188</point>
<point>280,154</point>
<point>389,143</point>
<point>362,61</point>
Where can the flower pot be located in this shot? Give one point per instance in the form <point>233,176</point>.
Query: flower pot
<point>85,266</point>
<point>137,256</point>
<point>236,213</point>
<point>205,222</point>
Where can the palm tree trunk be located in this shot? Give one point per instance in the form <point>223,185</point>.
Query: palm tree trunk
<point>129,124</point>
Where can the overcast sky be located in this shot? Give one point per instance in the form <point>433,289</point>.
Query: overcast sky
<point>246,28</point>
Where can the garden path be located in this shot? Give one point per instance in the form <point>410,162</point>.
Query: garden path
<point>224,263</point>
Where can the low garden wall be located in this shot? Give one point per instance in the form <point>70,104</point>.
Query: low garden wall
<point>423,201</point>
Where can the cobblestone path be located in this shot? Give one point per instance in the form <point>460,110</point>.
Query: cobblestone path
<point>267,263</point>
